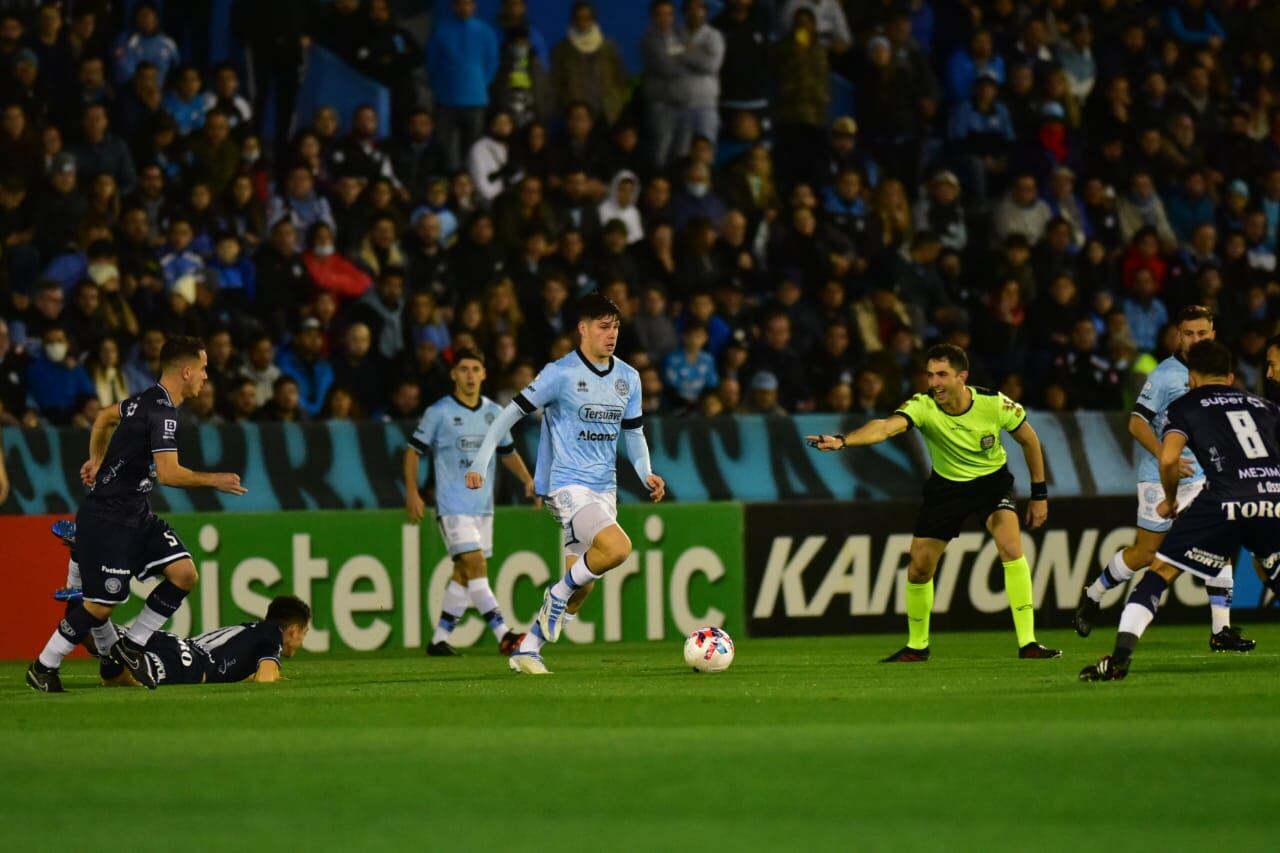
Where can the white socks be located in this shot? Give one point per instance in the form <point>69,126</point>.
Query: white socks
<point>577,577</point>
<point>483,598</point>
<point>1114,574</point>
<point>456,602</point>
<point>147,623</point>
<point>1135,619</point>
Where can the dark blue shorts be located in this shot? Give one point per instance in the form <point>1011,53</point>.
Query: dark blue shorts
<point>111,553</point>
<point>1208,535</point>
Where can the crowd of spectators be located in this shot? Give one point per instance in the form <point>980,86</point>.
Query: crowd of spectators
<point>1043,182</point>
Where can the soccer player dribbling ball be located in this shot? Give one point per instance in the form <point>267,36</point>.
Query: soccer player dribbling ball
<point>586,398</point>
<point>961,424</point>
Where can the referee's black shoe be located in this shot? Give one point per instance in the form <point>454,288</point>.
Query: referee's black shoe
<point>906,654</point>
<point>1086,614</point>
<point>1230,639</point>
<point>1107,669</point>
<point>442,650</point>
<point>131,656</point>
<point>1035,651</point>
<point>43,679</point>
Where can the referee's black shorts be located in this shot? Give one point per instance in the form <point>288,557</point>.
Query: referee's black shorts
<point>949,503</point>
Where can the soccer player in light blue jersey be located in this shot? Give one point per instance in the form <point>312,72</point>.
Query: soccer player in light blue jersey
<point>588,398</point>
<point>1169,381</point>
<point>450,433</point>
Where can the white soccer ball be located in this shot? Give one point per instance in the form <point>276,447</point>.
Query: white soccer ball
<point>708,650</point>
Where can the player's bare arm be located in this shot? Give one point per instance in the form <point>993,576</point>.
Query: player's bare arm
<point>1171,463</point>
<point>268,671</point>
<point>1038,508</point>
<point>414,506</point>
<point>103,427</point>
<point>1150,442</point>
<point>872,432</point>
<point>170,472</point>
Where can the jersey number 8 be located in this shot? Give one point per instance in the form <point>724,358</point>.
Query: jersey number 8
<point>1246,429</point>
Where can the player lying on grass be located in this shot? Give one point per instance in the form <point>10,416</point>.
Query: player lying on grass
<point>962,425</point>
<point>1233,436</point>
<point>1165,384</point>
<point>450,433</point>
<point>132,447</point>
<point>587,397</point>
<point>249,651</point>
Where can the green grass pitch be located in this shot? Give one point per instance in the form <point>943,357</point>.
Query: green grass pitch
<point>804,744</point>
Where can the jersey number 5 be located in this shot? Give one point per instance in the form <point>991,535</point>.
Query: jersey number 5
<point>1246,429</point>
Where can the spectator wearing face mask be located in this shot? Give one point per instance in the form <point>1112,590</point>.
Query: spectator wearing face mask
<point>57,384</point>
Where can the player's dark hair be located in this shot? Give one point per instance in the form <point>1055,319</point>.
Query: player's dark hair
<point>1195,312</point>
<point>180,348</point>
<point>1273,341</point>
<point>463,354</point>
<point>286,610</point>
<point>595,306</point>
<point>951,354</point>
<point>1210,358</point>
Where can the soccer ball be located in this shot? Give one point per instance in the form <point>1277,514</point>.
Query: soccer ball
<point>708,650</point>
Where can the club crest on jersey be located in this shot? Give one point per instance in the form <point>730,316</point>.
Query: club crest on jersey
<point>488,417</point>
<point>113,585</point>
<point>457,421</point>
<point>582,386</point>
<point>620,385</point>
<point>988,441</point>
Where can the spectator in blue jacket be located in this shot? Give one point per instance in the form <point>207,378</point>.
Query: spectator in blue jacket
<point>177,259</point>
<point>983,131</point>
<point>300,202</point>
<point>145,44</point>
<point>185,103</point>
<point>1190,206</point>
<point>104,153</point>
<point>966,66</point>
<point>1190,22</point>
<point>56,383</point>
<point>462,59</point>
<point>689,371</point>
<point>302,362</point>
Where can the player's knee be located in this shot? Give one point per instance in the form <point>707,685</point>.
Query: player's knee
<point>472,566</point>
<point>614,546</point>
<point>1137,558</point>
<point>919,572</point>
<point>1009,551</point>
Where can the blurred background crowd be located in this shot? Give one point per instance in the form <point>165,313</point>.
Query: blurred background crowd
<point>789,199</point>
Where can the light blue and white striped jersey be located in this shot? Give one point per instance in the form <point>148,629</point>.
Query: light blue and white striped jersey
<point>585,408</point>
<point>1169,381</point>
<point>451,433</point>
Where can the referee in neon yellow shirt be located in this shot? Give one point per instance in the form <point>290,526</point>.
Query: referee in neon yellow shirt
<point>962,424</point>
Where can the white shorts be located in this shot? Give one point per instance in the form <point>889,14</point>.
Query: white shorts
<point>465,533</point>
<point>582,513</point>
<point>1149,497</point>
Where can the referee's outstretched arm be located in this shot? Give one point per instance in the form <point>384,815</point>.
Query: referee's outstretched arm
<point>872,432</point>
